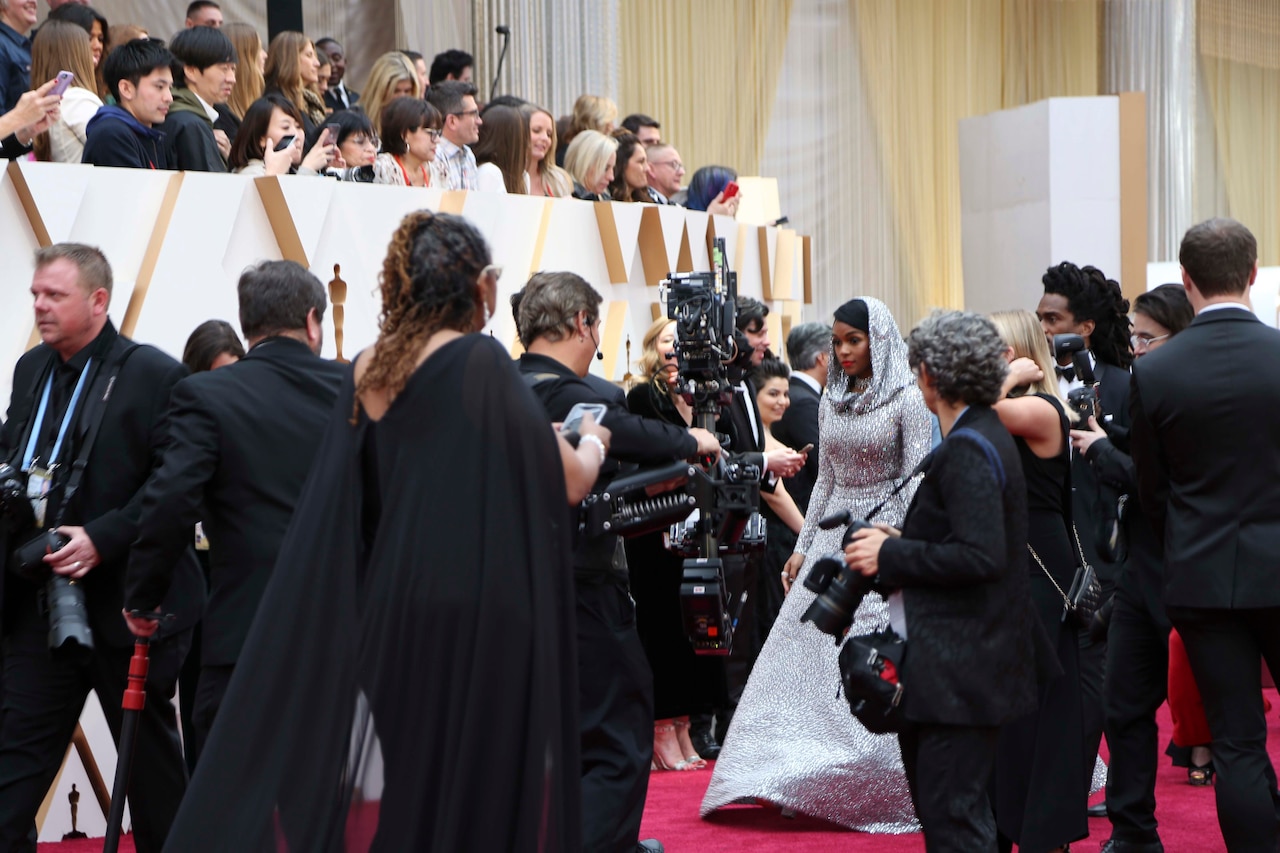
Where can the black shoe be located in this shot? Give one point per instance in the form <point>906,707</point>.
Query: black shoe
<point>1115,845</point>
<point>1100,810</point>
<point>650,845</point>
<point>706,745</point>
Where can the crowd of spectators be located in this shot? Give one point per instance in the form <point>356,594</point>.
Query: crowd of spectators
<point>183,104</point>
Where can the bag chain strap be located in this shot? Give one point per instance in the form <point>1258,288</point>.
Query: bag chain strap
<point>1066,601</point>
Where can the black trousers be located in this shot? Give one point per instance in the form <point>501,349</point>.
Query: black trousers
<point>949,770</point>
<point>615,688</point>
<point>210,690</point>
<point>1224,647</point>
<point>1136,686</point>
<point>44,695</point>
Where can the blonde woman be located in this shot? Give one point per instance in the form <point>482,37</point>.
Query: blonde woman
<point>590,112</point>
<point>392,76</point>
<point>251,59</point>
<point>542,176</point>
<point>63,46</point>
<point>590,161</point>
<point>1042,778</point>
<point>293,70</point>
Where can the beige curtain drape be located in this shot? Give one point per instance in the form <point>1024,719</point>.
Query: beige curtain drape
<point>1240,64</point>
<point>926,65</point>
<point>707,70</point>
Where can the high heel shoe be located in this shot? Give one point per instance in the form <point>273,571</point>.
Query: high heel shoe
<point>1200,775</point>
<point>659,763</point>
<point>698,762</point>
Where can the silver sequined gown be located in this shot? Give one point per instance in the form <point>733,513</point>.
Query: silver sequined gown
<point>793,741</point>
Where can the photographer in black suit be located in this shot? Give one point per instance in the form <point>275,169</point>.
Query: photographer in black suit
<point>808,350</point>
<point>1215,506</point>
<point>558,317</point>
<point>1083,301</point>
<point>242,440</point>
<point>963,595</point>
<point>85,384</point>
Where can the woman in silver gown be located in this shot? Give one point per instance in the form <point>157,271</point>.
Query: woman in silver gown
<point>792,741</point>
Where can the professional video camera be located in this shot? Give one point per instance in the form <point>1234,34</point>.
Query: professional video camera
<point>1082,400</point>
<point>726,493</point>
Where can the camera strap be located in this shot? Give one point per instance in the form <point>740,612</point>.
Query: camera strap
<point>91,435</point>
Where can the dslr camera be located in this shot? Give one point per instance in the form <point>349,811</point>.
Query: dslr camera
<point>62,597</point>
<point>839,588</point>
<point>1083,401</point>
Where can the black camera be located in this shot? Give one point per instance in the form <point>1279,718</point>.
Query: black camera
<point>15,506</point>
<point>1082,401</point>
<point>839,588</point>
<point>63,597</point>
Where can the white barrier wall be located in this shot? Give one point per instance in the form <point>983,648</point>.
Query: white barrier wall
<point>177,243</point>
<point>1264,295</point>
<point>1039,184</point>
<point>183,239</point>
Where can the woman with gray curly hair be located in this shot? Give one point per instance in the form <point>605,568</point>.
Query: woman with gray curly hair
<point>961,595</point>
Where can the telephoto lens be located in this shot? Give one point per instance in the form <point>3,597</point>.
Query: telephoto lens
<point>68,616</point>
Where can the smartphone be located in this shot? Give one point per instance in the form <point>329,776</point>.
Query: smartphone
<point>332,131</point>
<point>808,448</point>
<point>574,419</point>
<point>730,190</point>
<point>63,83</point>
<point>284,143</point>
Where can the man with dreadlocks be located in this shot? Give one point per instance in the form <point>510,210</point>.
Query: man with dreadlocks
<point>1083,301</point>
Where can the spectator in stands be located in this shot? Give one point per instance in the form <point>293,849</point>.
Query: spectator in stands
<point>17,17</point>
<point>292,70</point>
<point>420,65</point>
<point>337,96</point>
<point>706,191</point>
<point>123,134</point>
<point>503,151</point>
<point>631,177</point>
<point>664,173</point>
<point>206,67</point>
<point>62,46</point>
<point>646,129</point>
<point>451,65</point>
<point>92,22</point>
<point>590,112</point>
<point>270,121</point>
<point>321,86</point>
<point>542,176</point>
<point>410,132</point>
<point>392,76</point>
<point>455,166</point>
<point>357,141</point>
<point>251,59</point>
<point>31,116</point>
<point>204,13</point>
<point>590,161</point>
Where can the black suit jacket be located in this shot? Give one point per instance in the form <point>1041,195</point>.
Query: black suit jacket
<point>333,102</point>
<point>735,422</point>
<point>243,438</point>
<point>108,505</point>
<point>1206,443</point>
<point>797,428</point>
<point>961,564</point>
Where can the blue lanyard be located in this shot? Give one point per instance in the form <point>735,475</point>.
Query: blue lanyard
<point>30,455</point>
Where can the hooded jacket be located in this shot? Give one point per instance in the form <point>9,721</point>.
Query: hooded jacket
<point>115,138</point>
<point>188,135</point>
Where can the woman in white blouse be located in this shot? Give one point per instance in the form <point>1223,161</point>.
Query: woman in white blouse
<point>62,46</point>
<point>503,150</point>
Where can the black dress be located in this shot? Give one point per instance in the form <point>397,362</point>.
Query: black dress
<point>683,683</point>
<point>1040,781</point>
<point>409,682</point>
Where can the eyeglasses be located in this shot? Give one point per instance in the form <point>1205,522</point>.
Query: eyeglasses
<point>474,112</point>
<point>362,139</point>
<point>675,165</point>
<point>432,132</point>
<point>1141,342</point>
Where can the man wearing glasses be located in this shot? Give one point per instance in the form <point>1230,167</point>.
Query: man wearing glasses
<point>455,166</point>
<point>665,171</point>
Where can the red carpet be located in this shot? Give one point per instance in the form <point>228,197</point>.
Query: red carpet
<point>1187,816</point>
<point>1188,819</point>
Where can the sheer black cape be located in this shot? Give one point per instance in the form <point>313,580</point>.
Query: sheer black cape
<point>410,679</point>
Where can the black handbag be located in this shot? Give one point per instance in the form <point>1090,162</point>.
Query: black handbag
<point>1080,603</point>
<point>870,665</point>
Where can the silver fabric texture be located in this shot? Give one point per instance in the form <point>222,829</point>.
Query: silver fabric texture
<point>792,741</point>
